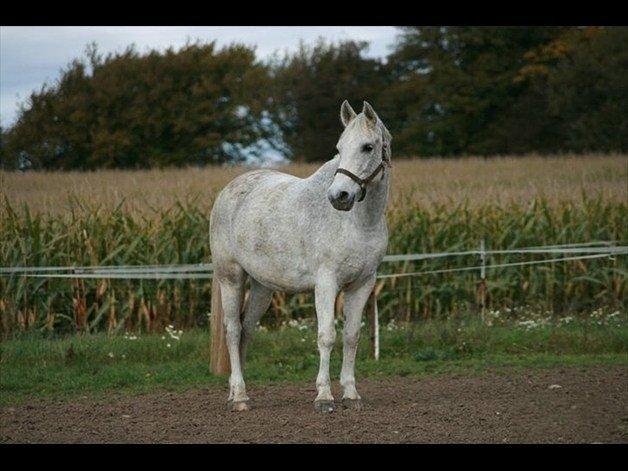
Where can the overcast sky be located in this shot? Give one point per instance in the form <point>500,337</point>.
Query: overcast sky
<point>30,56</point>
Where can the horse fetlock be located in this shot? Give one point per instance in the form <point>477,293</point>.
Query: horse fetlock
<point>324,391</point>
<point>238,390</point>
<point>348,386</point>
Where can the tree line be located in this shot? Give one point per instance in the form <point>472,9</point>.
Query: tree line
<point>442,91</point>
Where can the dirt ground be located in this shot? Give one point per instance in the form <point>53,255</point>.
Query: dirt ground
<point>564,405</point>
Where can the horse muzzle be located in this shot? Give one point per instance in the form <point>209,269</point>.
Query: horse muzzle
<point>341,200</point>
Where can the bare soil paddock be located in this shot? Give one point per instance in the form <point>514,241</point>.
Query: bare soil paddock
<point>591,405</point>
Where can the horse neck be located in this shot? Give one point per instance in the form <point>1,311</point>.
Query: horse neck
<point>372,210</point>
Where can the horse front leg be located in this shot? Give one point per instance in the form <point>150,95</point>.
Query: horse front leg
<point>354,302</point>
<point>325,300</point>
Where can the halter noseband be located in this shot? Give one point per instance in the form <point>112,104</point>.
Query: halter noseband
<point>362,182</point>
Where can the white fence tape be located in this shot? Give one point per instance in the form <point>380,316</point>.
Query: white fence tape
<point>203,270</point>
<point>190,268</point>
<point>122,276</point>
<point>501,265</point>
<point>412,257</point>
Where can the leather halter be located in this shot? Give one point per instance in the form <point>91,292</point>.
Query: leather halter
<point>362,182</point>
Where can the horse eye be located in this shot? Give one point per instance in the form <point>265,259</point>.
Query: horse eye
<point>367,148</point>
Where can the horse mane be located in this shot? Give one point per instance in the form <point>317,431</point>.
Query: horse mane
<point>325,173</point>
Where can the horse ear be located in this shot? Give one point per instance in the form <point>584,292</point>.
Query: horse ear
<point>369,112</point>
<point>346,113</point>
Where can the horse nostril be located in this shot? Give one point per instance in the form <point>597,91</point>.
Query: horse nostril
<point>343,196</point>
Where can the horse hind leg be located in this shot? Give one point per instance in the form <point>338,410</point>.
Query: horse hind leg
<point>232,279</point>
<point>257,304</point>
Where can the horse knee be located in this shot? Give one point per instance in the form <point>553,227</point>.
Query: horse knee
<point>351,339</point>
<point>326,338</point>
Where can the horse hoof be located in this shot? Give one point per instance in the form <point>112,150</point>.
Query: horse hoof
<point>239,406</point>
<point>324,407</point>
<point>352,404</point>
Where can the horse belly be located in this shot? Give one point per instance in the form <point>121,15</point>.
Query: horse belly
<point>279,271</point>
<point>273,250</point>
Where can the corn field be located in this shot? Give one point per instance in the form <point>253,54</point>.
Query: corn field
<point>90,234</point>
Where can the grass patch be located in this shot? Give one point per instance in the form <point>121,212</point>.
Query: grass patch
<point>36,366</point>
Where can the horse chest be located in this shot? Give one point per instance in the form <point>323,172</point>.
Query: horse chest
<point>357,257</point>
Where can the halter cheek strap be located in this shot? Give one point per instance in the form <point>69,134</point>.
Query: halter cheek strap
<point>362,182</point>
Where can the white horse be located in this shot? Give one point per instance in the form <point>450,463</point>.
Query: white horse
<point>324,233</point>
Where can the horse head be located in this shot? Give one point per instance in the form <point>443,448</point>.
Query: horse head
<point>364,150</point>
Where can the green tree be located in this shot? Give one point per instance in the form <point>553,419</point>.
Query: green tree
<point>581,79</point>
<point>443,91</point>
<point>195,105</point>
<point>309,87</point>
<point>454,87</point>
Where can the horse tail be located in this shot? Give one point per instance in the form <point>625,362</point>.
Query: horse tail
<point>219,357</point>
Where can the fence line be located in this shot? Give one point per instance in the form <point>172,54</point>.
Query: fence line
<point>185,268</point>
<point>501,265</point>
<point>203,270</point>
<point>195,276</point>
<point>122,276</point>
<point>413,257</point>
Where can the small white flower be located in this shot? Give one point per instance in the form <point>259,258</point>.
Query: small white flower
<point>110,355</point>
<point>168,345</point>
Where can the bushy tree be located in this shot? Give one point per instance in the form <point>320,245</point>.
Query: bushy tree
<point>479,90</point>
<point>454,87</point>
<point>199,104</point>
<point>309,87</point>
<point>581,81</point>
<point>443,91</point>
